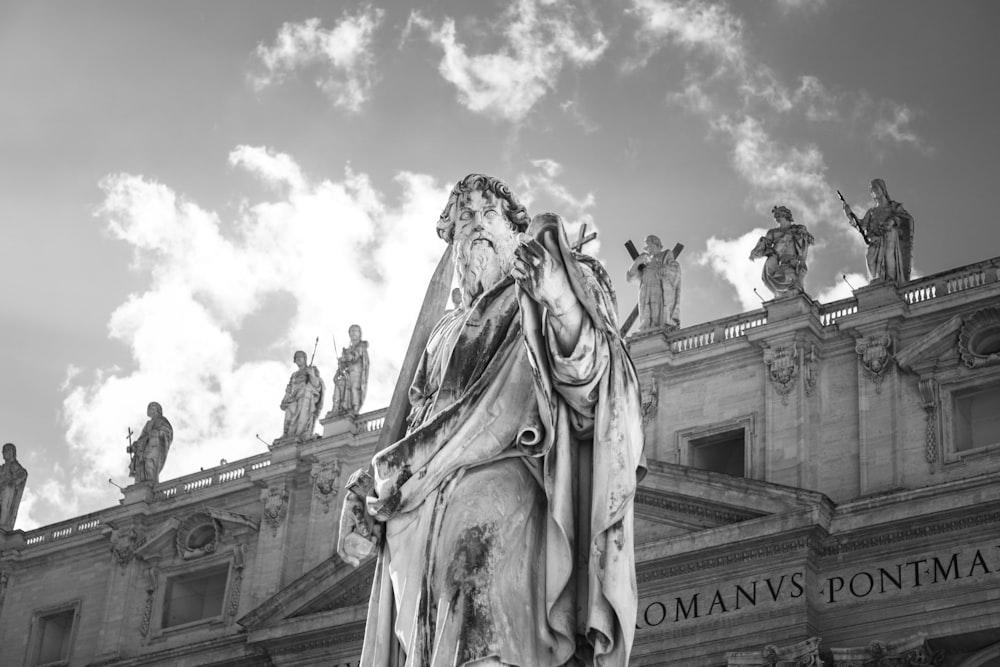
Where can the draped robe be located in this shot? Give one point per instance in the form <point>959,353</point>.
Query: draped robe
<point>509,502</point>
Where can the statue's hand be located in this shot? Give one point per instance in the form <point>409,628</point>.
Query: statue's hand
<point>542,276</point>
<point>358,536</point>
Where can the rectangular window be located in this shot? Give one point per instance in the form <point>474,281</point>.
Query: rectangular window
<point>723,452</point>
<point>977,418</point>
<point>195,596</point>
<point>52,636</point>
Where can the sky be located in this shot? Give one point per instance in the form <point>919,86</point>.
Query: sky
<point>191,191</point>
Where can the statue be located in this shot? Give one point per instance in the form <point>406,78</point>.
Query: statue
<point>507,507</point>
<point>888,231</point>
<point>659,275</point>
<point>351,381</point>
<point>361,532</point>
<point>12,479</point>
<point>786,247</point>
<point>149,451</point>
<point>303,400</point>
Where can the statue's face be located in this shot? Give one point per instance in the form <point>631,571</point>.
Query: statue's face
<point>8,454</point>
<point>299,359</point>
<point>484,243</point>
<point>653,245</point>
<point>355,334</point>
<point>877,195</point>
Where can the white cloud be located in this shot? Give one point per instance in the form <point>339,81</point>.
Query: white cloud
<point>730,259</point>
<point>693,25</point>
<point>896,127</point>
<point>341,56</point>
<point>336,248</point>
<point>540,39</point>
<point>572,109</point>
<point>540,189</point>
<point>795,5</point>
<point>840,288</point>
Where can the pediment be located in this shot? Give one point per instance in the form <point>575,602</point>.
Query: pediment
<point>937,349</point>
<point>196,533</point>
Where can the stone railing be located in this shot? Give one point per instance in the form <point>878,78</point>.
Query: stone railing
<point>829,313</point>
<point>201,480</point>
<point>715,331</point>
<point>950,282</point>
<point>59,531</point>
<point>370,422</point>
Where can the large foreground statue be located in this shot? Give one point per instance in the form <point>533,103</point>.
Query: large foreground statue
<point>507,507</point>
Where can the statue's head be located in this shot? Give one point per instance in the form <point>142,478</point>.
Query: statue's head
<point>653,244</point>
<point>9,452</point>
<point>354,331</point>
<point>782,213</point>
<point>482,218</point>
<point>154,409</point>
<point>299,358</point>
<point>880,195</point>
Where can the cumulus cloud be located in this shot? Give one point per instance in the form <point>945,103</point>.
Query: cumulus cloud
<point>540,39</point>
<point>894,127</point>
<point>340,251</point>
<point>540,190</point>
<point>341,57</point>
<point>729,258</point>
<point>332,247</point>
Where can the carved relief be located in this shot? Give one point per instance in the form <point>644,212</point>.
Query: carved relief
<point>929,396</point>
<point>913,651</point>
<point>650,401</point>
<point>275,499</point>
<point>124,542</point>
<point>239,562</point>
<point>979,338</point>
<point>4,579</point>
<point>783,368</point>
<point>326,482</point>
<point>876,355</point>
<point>810,373</point>
<point>197,535</point>
<point>152,574</point>
<point>802,654</point>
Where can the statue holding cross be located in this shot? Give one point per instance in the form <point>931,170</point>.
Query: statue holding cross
<point>659,276</point>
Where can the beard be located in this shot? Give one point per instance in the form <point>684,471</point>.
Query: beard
<point>483,261</point>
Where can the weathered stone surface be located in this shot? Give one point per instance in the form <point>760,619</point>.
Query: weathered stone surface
<point>659,276</point>
<point>786,248</point>
<point>149,451</point>
<point>12,479</point>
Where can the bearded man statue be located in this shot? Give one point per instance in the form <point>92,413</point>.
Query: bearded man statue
<point>506,511</point>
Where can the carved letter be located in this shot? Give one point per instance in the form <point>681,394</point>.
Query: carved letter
<point>692,608</point>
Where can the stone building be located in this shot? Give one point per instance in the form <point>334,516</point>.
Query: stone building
<point>824,484</point>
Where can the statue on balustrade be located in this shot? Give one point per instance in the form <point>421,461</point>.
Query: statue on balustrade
<point>302,401</point>
<point>507,506</point>
<point>786,248</point>
<point>149,451</point>
<point>659,276</point>
<point>888,231</point>
<point>351,381</point>
<point>12,479</point>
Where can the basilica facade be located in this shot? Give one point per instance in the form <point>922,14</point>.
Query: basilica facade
<point>823,488</point>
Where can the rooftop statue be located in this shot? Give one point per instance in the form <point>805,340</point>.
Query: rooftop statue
<point>12,479</point>
<point>149,451</point>
<point>302,401</point>
<point>786,248</point>
<point>351,382</point>
<point>659,276</point>
<point>888,231</point>
<point>507,505</point>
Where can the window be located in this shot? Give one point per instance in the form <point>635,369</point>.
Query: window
<point>195,596</point>
<point>52,636</point>
<point>976,418</point>
<point>721,452</point>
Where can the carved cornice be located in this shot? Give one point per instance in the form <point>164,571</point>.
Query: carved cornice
<point>700,509</point>
<point>905,534</point>
<point>646,572</point>
<point>349,634</point>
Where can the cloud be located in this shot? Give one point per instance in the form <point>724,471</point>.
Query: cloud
<point>894,127</point>
<point>572,109</point>
<point>841,289</point>
<point>540,39</point>
<point>693,25</point>
<point>341,57</point>
<point>798,5</point>
<point>339,250</point>
<point>332,247</point>
<point>730,259</point>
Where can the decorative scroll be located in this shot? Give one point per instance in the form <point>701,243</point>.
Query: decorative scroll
<point>912,651</point>
<point>783,368</point>
<point>124,542</point>
<point>929,395</point>
<point>152,574</point>
<point>876,355</point>
<point>275,499</point>
<point>810,374</point>
<point>239,562</point>
<point>326,482</point>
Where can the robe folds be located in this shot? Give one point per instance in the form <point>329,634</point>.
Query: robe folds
<point>508,504</point>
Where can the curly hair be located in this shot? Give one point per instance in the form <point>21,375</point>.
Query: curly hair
<point>515,212</point>
<point>782,211</point>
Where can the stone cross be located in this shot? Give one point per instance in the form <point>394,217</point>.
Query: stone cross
<point>583,238</point>
<point>633,253</point>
